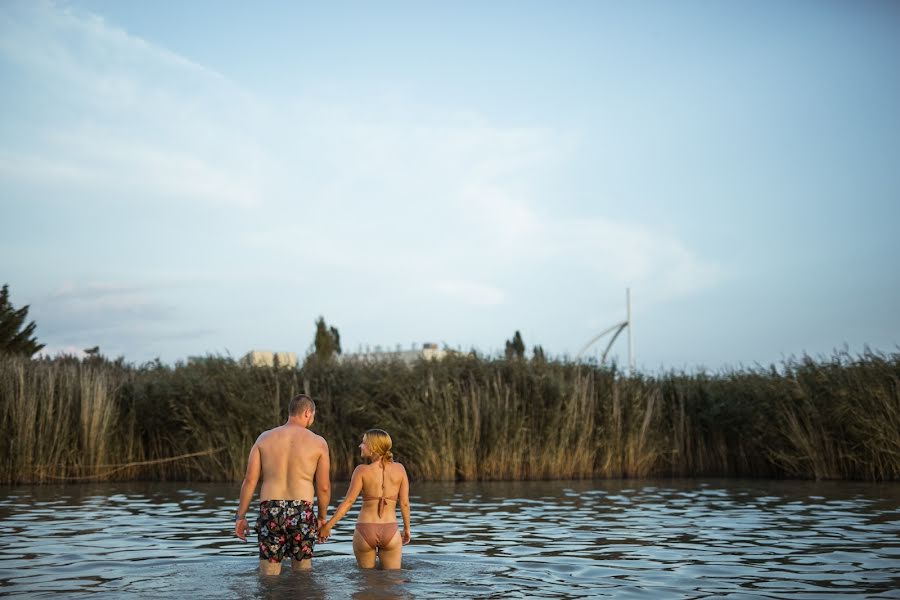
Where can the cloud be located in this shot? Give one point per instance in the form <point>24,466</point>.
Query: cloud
<point>87,310</point>
<point>461,191</point>
<point>307,197</point>
<point>68,34</point>
<point>458,203</point>
<point>96,291</point>
<point>120,318</point>
<point>463,199</point>
<point>627,254</point>
<point>125,115</point>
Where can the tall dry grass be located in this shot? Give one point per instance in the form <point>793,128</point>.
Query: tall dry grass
<point>462,418</point>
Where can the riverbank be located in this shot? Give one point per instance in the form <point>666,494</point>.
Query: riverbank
<point>464,418</point>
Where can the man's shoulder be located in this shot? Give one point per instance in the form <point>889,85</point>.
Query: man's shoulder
<point>318,439</point>
<point>269,434</point>
<point>311,439</point>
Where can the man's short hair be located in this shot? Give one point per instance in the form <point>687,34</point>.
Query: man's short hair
<point>299,404</point>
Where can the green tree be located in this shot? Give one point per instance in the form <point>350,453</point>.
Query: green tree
<point>515,348</point>
<point>13,338</point>
<point>327,342</point>
<point>539,355</point>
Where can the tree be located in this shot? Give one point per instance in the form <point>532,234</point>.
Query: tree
<point>515,348</point>
<point>93,356</point>
<point>13,338</point>
<point>539,355</point>
<point>337,339</point>
<point>327,341</point>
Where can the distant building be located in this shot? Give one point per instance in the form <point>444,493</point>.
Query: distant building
<point>264,358</point>
<point>428,351</point>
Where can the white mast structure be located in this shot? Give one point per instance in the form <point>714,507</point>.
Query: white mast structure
<point>617,328</point>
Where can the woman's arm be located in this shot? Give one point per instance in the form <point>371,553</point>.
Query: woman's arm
<point>352,493</point>
<point>404,505</point>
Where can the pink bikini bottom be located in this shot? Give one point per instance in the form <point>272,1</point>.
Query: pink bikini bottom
<point>377,535</point>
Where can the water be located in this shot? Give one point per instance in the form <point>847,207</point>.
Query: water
<point>647,539</point>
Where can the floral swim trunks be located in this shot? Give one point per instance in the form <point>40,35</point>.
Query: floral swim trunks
<point>286,529</point>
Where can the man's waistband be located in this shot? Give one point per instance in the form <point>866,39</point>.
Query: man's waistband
<point>286,503</point>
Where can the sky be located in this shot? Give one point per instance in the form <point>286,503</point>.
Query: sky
<point>182,179</point>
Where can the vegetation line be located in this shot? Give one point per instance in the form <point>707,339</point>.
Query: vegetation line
<point>462,418</point>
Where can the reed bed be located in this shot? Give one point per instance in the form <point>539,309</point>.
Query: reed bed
<point>463,418</point>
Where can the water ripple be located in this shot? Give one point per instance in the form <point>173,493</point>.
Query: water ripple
<point>671,539</point>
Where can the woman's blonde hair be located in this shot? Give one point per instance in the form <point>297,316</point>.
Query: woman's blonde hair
<point>379,443</point>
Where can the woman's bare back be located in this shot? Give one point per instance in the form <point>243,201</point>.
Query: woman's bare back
<point>372,477</point>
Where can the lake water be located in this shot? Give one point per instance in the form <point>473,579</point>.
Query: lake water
<point>622,539</point>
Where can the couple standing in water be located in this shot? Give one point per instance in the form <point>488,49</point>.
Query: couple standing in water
<point>293,463</point>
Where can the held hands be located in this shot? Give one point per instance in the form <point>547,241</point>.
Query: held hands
<point>324,529</point>
<point>324,532</point>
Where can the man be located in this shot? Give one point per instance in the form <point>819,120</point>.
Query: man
<point>291,459</point>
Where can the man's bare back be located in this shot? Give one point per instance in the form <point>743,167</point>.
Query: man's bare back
<point>289,455</point>
<point>294,465</point>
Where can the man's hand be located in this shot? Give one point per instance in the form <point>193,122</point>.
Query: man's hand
<point>406,536</point>
<point>241,528</point>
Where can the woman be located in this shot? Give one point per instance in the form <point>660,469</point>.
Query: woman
<point>383,484</point>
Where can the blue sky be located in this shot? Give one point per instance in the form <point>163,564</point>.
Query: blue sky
<point>179,179</point>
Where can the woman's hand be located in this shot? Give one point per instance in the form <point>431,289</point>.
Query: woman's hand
<point>406,536</point>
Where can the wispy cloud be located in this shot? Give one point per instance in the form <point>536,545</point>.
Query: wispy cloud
<point>627,254</point>
<point>458,200</point>
<point>119,317</point>
<point>375,199</point>
<point>144,119</point>
<point>98,307</point>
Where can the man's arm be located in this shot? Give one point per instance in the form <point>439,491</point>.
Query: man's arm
<point>323,483</point>
<point>251,478</point>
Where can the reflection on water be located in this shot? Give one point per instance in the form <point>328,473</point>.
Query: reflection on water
<point>660,539</point>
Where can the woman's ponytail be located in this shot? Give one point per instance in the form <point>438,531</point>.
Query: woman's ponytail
<point>380,444</point>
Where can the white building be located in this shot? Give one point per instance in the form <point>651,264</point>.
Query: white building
<point>265,358</point>
<point>428,351</point>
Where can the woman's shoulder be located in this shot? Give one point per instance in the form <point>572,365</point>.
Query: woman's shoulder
<point>398,467</point>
